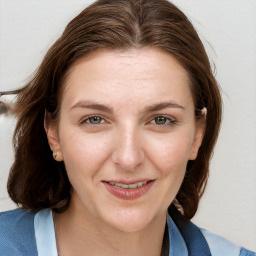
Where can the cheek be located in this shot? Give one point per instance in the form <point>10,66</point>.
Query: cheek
<point>84,153</point>
<point>171,153</point>
<point>170,157</point>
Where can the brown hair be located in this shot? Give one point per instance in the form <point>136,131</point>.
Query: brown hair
<point>36,180</point>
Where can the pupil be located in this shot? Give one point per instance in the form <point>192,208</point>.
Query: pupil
<point>95,120</point>
<point>160,120</point>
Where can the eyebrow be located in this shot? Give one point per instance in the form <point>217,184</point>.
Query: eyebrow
<point>152,108</point>
<point>92,105</point>
<point>162,105</point>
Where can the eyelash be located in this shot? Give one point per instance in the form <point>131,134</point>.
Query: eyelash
<point>168,121</point>
<point>86,120</point>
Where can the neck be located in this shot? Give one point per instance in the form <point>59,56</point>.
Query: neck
<point>79,234</point>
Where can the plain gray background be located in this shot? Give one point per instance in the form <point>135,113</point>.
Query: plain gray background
<point>228,29</point>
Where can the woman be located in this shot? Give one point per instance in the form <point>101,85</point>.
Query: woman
<point>114,137</point>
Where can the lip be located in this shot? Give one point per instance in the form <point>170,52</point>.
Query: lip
<point>128,193</point>
<point>128,181</point>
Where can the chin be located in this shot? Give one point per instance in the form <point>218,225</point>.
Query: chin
<point>130,221</point>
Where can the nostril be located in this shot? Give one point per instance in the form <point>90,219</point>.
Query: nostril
<point>128,161</point>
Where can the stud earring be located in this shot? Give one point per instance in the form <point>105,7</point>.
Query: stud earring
<point>57,156</point>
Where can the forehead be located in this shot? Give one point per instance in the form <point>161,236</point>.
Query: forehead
<point>136,74</point>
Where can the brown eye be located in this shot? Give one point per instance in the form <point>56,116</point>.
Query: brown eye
<point>161,120</point>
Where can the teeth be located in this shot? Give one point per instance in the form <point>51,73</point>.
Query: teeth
<point>134,185</point>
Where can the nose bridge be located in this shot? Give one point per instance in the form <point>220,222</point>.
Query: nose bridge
<point>128,152</point>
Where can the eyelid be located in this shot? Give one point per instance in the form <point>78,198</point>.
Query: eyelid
<point>85,118</point>
<point>172,120</point>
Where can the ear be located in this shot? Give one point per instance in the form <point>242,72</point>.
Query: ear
<point>51,130</point>
<point>199,134</point>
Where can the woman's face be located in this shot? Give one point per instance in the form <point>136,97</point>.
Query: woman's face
<point>126,132</point>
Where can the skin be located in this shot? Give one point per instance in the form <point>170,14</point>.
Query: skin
<point>136,138</point>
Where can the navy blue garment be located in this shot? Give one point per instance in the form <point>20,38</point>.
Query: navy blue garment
<point>17,235</point>
<point>194,239</point>
<point>27,234</point>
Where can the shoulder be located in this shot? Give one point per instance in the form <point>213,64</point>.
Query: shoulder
<point>17,235</point>
<point>202,242</point>
<point>221,246</point>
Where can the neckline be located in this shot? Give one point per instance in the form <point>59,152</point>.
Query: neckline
<point>47,237</point>
<point>45,233</point>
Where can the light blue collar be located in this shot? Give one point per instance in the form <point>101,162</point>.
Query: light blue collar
<point>45,234</point>
<point>46,242</point>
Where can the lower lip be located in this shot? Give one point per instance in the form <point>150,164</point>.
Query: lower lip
<point>128,193</point>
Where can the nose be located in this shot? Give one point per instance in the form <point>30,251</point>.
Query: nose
<point>128,151</point>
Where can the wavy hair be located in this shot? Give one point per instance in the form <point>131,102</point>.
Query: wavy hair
<point>36,180</point>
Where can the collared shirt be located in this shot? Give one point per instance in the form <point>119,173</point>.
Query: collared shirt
<point>40,236</point>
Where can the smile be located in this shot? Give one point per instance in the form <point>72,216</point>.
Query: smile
<point>129,191</point>
<point>129,186</point>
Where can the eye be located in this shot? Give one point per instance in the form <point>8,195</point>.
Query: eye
<point>94,120</point>
<point>163,120</point>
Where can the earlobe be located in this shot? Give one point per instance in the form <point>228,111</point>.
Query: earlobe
<point>57,155</point>
<point>52,136</point>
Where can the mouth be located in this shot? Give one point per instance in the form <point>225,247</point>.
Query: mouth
<point>128,190</point>
<point>129,186</point>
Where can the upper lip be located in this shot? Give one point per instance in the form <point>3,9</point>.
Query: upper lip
<point>127,181</point>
